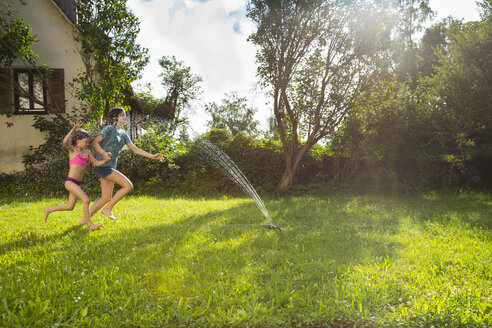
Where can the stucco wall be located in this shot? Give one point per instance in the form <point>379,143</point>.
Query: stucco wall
<point>57,49</point>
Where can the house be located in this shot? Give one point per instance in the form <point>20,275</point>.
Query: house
<point>51,22</point>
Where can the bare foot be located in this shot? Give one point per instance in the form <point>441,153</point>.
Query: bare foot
<point>46,213</point>
<point>92,226</point>
<point>108,213</point>
<point>82,221</point>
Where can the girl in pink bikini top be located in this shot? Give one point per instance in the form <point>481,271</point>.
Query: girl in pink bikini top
<point>79,160</point>
<point>79,154</point>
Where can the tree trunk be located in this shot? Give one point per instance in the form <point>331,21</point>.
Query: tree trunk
<point>292,161</point>
<point>286,178</point>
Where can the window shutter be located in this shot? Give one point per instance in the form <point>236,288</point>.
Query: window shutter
<point>58,89</point>
<point>5,96</point>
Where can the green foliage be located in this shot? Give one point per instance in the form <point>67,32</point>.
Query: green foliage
<point>315,58</point>
<point>411,16</point>
<point>462,83</point>
<point>15,38</point>
<point>182,88</point>
<point>259,160</point>
<point>433,129</point>
<point>234,115</point>
<point>107,31</point>
<point>340,261</point>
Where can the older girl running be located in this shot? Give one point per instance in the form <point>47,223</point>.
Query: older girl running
<point>108,145</point>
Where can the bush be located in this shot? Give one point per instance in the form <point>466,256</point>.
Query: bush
<point>259,160</point>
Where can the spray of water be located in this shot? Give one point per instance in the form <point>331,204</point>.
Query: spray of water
<point>218,159</point>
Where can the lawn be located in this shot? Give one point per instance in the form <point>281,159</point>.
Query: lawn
<point>350,261</point>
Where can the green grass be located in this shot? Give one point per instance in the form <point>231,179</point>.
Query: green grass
<point>339,261</point>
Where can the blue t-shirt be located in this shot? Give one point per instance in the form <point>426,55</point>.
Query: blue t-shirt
<point>113,141</point>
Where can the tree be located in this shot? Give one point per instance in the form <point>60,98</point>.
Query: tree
<point>182,88</point>
<point>486,7</point>
<point>316,57</point>
<point>107,31</point>
<point>15,38</point>
<point>463,86</point>
<point>432,43</point>
<point>234,115</point>
<point>410,17</point>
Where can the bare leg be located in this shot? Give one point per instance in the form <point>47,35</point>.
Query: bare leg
<point>72,199</point>
<point>106,193</point>
<point>80,194</point>
<point>126,187</point>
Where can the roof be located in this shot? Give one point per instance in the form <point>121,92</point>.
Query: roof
<point>68,8</point>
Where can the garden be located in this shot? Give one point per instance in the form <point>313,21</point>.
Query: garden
<point>365,202</point>
<point>339,261</point>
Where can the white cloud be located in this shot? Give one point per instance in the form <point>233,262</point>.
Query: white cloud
<point>209,36</point>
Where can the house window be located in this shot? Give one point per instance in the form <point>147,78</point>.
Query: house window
<point>32,91</point>
<point>30,96</point>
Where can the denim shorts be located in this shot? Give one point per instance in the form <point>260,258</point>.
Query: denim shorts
<point>103,171</point>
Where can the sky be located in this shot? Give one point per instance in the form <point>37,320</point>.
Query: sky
<point>210,36</point>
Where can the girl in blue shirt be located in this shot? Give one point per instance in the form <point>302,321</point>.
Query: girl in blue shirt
<point>108,145</point>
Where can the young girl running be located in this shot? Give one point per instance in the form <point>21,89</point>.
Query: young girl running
<point>78,152</point>
<point>109,143</point>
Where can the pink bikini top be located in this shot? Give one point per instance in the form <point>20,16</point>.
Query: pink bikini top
<point>79,160</point>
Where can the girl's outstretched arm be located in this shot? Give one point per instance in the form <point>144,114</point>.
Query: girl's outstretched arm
<point>143,153</point>
<point>96,161</point>
<point>66,141</point>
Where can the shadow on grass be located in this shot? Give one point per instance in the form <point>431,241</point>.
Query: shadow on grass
<point>474,209</point>
<point>32,239</point>
<point>230,257</point>
<point>224,241</point>
<point>220,253</point>
<point>315,231</point>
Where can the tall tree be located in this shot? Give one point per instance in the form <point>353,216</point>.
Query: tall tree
<point>316,57</point>
<point>234,115</point>
<point>432,43</point>
<point>107,31</point>
<point>15,37</point>
<point>410,18</point>
<point>463,84</point>
<point>182,88</point>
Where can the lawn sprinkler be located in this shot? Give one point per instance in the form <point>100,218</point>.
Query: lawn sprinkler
<point>217,158</point>
<point>271,226</point>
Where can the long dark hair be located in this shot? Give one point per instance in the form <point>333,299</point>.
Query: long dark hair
<point>113,115</point>
<point>78,135</point>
